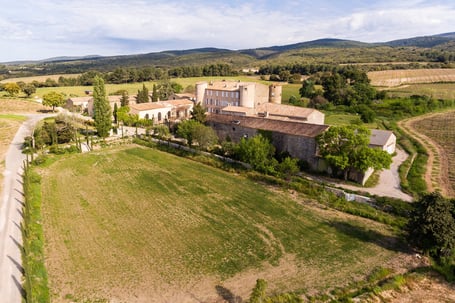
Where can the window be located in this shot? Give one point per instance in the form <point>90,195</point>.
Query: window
<point>159,116</point>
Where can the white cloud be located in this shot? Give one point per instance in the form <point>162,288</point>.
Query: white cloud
<point>108,27</point>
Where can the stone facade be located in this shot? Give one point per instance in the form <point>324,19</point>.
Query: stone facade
<point>298,139</point>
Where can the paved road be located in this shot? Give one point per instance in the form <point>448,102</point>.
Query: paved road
<point>11,271</point>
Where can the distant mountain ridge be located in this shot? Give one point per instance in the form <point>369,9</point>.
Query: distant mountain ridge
<point>327,50</point>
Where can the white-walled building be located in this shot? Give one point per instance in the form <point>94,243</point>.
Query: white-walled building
<point>162,111</point>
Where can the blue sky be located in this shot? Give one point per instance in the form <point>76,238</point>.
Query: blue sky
<point>49,28</point>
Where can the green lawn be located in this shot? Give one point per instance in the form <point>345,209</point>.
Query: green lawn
<point>135,221</point>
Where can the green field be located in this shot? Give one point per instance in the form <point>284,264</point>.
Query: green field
<point>130,222</point>
<point>444,91</point>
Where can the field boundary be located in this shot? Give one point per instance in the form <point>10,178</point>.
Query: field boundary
<point>437,168</point>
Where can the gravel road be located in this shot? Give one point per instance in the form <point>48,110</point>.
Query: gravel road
<point>11,271</point>
<point>389,181</point>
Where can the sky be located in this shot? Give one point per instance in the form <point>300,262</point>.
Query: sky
<point>32,30</point>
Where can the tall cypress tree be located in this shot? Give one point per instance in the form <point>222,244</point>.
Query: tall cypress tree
<point>102,110</point>
<point>154,94</point>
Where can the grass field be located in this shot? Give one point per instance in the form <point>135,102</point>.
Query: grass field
<point>132,88</point>
<point>444,91</point>
<point>138,225</point>
<point>390,78</point>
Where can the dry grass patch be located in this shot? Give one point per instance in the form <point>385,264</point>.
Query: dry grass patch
<point>390,78</point>
<point>138,225</point>
<point>39,78</point>
<point>17,106</point>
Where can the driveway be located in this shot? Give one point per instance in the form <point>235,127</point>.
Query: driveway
<point>11,271</point>
<point>389,181</point>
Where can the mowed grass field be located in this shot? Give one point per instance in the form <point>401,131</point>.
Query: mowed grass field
<point>130,224</point>
<point>390,78</point>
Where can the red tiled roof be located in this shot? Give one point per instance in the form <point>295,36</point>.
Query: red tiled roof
<point>280,126</point>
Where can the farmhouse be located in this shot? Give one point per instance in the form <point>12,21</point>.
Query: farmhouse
<point>78,104</point>
<point>383,139</point>
<point>298,139</point>
<point>162,111</point>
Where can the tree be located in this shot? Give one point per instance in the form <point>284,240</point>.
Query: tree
<point>198,113</point>
<point>12,88</point>
<point>432,225</point>
<point>29,89</point>
<point>53,99</point>
<point>102,110</point>
<point>162,131</point>
<point>124,100</point>
<point>185,130</point>
<point>307,90</point>
<point>258,294</point>
<point>205,136</point>
<point>257,151</point>
<point>154,93</point>
<point>143,95</point>
<point>114,113</point>
<point>346,147</point>
<point>288,168</point>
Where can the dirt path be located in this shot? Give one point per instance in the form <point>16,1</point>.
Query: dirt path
<point>389,181</point>
<point>11,271</point>
<point>435,180</point>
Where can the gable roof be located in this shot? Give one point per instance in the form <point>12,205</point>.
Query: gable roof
<point>146,106</point>
<point>286,110</point>
<point>380,137</point>
<point>280,126</point>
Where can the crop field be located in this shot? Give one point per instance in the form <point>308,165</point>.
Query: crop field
<point>130,224</point>
<point>391,78</point>
<point>444,91</point>
<point>438,133</point>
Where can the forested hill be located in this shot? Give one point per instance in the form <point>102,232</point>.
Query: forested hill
<point>436,48</point>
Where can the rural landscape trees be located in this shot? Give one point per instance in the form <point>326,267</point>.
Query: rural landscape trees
<point>432,227</point>
<point>102,110</point>
<point>254,225</point>
<point>346,148</point>
<point>53,99</point>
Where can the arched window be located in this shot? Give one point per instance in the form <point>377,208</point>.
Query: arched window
<point>147,116</point>
<point>159,116</point>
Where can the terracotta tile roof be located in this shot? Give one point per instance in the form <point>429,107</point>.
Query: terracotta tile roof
<point>178,102</point>
<point>239,109</point>
<point>280,126</point>
<point>146,106</point>
<point>286,110</point>
<point>380,137</point>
